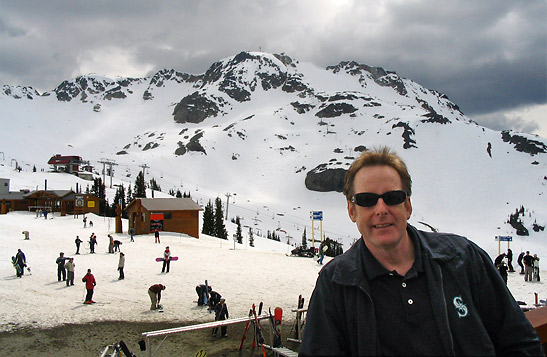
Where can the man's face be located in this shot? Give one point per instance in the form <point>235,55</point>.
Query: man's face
<point>381,226</point>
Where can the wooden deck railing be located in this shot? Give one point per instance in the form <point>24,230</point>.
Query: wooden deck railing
<point>538,319</point>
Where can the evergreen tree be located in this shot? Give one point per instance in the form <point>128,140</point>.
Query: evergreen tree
<point>119,197</point>
<point>208,220</point>
<point>219,228</point>
<point>98,189</point>
<point>154,185</point>
<point>251,238</point>
<point>140,186</point>
<point>179,194</point>
<point>171,192</point>
<point>304,240</point>
<point>239,236</point>
<point>130,196</point>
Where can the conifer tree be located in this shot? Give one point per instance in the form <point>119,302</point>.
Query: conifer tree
<point>239,236</point>
<point>154,185</point>
<point>130,196</point>
<point>219,228</point>
<point>179,194</point>
<point>208,220</point>
<point>304,240</point>
<point>119,197</point>
<point>98,189</point>
<point>251,238</point>
<point>140,186</point>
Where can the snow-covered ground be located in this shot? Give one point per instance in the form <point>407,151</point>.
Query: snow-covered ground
<point>244,275</point>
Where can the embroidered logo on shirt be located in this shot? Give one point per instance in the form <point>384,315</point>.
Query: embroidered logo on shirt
<point>460,306</point>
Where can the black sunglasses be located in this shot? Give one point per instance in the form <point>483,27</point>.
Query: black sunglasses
<point>390,198</point>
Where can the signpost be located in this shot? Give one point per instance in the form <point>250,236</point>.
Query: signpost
<point>500,239</point>
<point>316,216</point>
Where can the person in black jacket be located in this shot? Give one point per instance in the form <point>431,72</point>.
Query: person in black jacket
<point>221,313</point>
<point>519,262</point>
<point>401,291</point>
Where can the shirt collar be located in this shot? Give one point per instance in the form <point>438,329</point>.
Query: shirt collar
<point>373,268</point>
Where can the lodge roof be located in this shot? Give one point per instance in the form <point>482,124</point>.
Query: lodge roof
<point>64,160</point>
<point>167,204</point>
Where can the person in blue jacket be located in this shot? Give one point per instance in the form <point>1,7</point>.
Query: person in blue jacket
<point>401,291</point>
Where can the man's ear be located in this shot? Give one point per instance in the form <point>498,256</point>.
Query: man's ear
<point>351,210</point>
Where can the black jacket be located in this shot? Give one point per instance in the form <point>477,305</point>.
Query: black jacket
<point>474,311</point>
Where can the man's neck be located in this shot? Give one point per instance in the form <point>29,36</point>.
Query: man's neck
<point>399,258</point>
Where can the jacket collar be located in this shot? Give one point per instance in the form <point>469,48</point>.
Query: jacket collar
<point>348,268</point>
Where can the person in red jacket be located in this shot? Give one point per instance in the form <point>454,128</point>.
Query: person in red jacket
<point>90,283</point>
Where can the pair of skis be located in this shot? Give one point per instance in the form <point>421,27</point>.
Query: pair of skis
<point>275,321</point>
<point>298,324</point>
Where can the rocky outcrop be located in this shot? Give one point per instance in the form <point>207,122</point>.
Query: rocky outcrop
<point>195,108</point>
<point>323,179</point>
<point>524,144</point>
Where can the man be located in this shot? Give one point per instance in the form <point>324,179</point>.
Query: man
<point>156,236</point>
<point>90,283</point>
<point>528,261</point>
<point>78,241</point>
<point>400,291</point>
<point>519,262</point>
<point>61,271</point>
<point>221,313</point>
<point>166,260</point>
<point>70,272</point>
<point>155,295</point>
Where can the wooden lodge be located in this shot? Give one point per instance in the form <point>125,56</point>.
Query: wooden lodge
<point>147,215</point>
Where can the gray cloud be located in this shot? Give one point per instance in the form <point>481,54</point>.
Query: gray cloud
<point>486,55</point>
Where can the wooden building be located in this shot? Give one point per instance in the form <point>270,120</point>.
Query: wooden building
<point>147,215</point>
<point>68,164</point>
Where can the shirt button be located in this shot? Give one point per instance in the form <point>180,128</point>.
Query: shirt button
<point>403,285</point>
<point>410,301</point>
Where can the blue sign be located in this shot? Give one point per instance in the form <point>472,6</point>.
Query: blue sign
<point>317,215</point>
<point>504,238</point>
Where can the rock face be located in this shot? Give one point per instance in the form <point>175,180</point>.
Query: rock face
<point>323,179</point>
<point>523,144</point>
<point>195,108</point>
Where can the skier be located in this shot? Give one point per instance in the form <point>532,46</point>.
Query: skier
<point>121,264</point>
<point>221,313</point>
<point>166,260</point>
<point>20,262</point>
<point>61,271</point>
<point>322,250</point>
<point>78,241</point>
<point>90,283</point>
<point>70,271</point>
<point>155,295</point>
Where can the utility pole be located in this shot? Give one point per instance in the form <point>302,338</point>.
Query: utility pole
<point>228,195</point>
<point>110,163</point>
<point>144,167</point>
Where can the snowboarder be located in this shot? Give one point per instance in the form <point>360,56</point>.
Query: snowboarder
<point>121,264</point>
<point>61,271</point>
<point>117,244</point>
<point>157,236</point>
<point>155,295</point>
<point>322,251</point>
<point>78,241</point>
<point>166,260</point>
<point>20,262</point>
<point>535,263</point>
<point>70,271</point>
<point>90,283</point>
<point>221,313</point>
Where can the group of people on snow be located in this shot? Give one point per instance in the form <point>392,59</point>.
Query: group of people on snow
<point>529,265</point>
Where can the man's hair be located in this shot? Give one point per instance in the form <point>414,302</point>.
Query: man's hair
<point>382,156</point>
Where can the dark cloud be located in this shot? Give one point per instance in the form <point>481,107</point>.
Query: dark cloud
<point>485,55</point>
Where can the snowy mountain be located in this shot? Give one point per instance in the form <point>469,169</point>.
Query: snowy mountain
<point>276,136</point>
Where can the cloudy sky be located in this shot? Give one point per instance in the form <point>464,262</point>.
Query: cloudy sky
<point>487,56</point>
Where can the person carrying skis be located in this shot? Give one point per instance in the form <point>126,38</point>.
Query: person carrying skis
<point>20,262</point>
<point>78,241</point>
<point>155,295</point>
<point>61,271</point>
<point>402,291</point>
<point>70,271</point>
<point>322,251</point>
<point>90,284</point>
<point>121,264</point>
<point>221,313</point>
<point>166,260</point>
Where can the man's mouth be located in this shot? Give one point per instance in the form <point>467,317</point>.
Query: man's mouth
<point>385,225</point>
